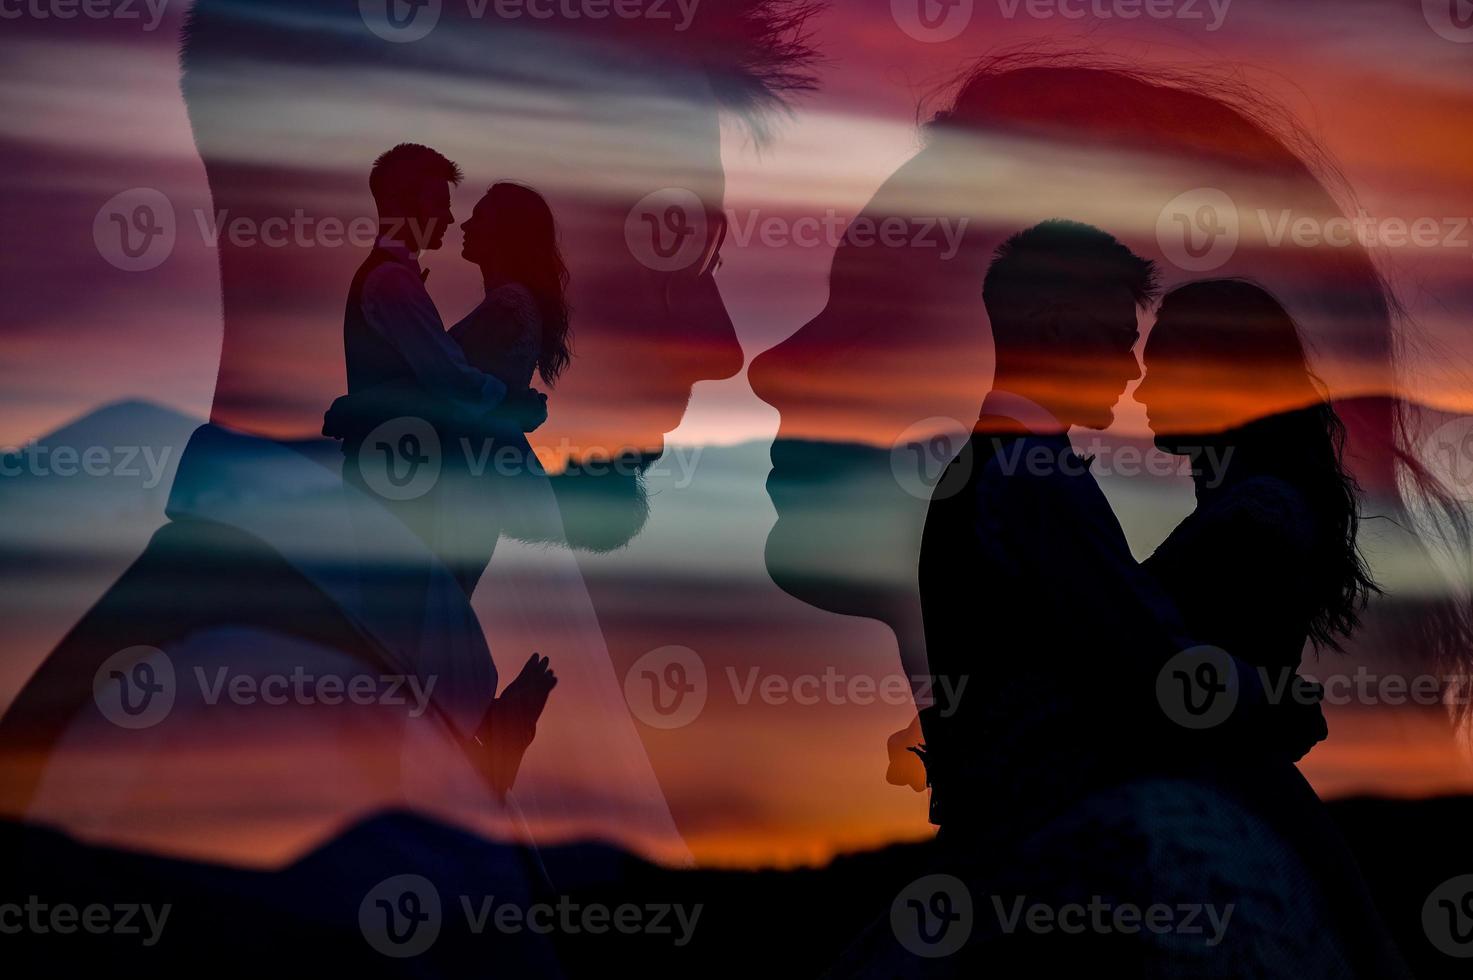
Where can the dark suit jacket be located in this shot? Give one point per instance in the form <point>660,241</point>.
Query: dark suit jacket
<point>1031,597</point>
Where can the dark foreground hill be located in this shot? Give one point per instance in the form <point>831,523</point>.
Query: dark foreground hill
<point>72,910</point>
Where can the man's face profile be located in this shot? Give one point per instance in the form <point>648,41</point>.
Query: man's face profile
<point>1095,357</point>
<point>432,216</point>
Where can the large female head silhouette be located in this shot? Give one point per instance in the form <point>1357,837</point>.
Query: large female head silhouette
<point>1182,171</point>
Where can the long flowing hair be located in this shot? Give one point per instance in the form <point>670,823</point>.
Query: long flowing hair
<point>523,247</point>
<point>1239,323</point>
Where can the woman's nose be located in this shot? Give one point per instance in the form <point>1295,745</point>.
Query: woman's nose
<point>762,374</point>
<point>1144,392</point>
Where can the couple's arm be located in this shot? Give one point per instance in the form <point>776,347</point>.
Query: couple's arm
<point>1282,722</point>
<point>1248,554</point>
<point>1073,547</point>
<point>398,307</point>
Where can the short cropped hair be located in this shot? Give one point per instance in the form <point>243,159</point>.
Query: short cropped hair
<point>399,173</point>
<point>1059,261</point>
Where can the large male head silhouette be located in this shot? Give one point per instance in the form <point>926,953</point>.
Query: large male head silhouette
<point>1062,298</point>
<point>614,119</point>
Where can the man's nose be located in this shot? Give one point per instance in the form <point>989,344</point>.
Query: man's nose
<point>715,352</point>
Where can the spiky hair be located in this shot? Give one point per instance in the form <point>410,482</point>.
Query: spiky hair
<point>759,56</point>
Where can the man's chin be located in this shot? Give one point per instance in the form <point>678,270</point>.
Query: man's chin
<point>602,508</point>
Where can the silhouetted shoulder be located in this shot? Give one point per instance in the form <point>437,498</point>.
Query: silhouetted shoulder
<point>1262,507</point>
<point>394,276</point>
<point>1043,469</point>
<point>516,300</point>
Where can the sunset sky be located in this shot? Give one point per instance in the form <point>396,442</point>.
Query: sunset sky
<point>91,109</point>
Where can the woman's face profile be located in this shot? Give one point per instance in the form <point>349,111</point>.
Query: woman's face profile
<point>476,231</point>
<point>1216,363</point>
<point>1166,391</point>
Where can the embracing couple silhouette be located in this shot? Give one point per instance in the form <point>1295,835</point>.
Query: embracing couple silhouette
<point>463,394</point>
<point>1129,728</point>
<point>1135,738</point>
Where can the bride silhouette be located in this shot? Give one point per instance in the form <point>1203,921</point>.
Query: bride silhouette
<point>521,328</point>
<point>1268,562</point>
